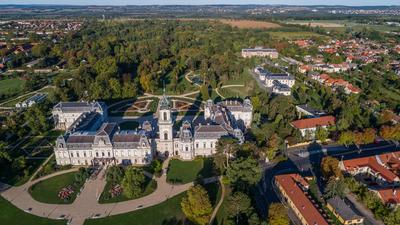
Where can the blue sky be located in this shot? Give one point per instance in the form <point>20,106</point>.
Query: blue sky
<point>202,2</point>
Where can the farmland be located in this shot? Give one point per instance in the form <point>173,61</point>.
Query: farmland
<point>249,24</point>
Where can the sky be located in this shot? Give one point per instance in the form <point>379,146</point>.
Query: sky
<point>204,2</point>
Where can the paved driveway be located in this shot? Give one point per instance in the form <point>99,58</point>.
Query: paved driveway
<point>86,205</point>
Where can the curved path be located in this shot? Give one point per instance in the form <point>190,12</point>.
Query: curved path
<point>227,86</point>
<point>216,208</point>
<point>86,204</point>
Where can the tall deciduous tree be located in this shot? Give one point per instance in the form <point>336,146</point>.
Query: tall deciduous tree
<point>330,168</point>
<point>244,173</point>
<point>277,214</point>
<point>197,206</point>
<point>133,181</point>
<point>238,203</point>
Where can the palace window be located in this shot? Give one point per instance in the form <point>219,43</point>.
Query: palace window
<point>109,154</point>
<point>186,148</point>
<point>84,154</point>
<point>165,115</point>
<point>102,154</point>
<point>165,136</point>
<point>197,145</point>
<point>77,154</point>
<point>97,154</point>
<point>211,144</point>
<point>204,145</point>
<point>72,154</point>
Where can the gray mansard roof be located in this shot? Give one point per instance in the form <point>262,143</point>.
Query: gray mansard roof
<point>279,76</point>
<point>343,209</point>
<point>210,132</point>
<point>71,107</point>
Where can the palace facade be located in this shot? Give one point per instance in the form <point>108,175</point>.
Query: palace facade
<point>90,139</point>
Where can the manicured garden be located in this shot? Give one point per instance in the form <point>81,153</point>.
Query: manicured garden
<point>150,186</point>
<point>14,216</point>
<point>61,189</point>
<point>126,183</point>
<point>187,171</point>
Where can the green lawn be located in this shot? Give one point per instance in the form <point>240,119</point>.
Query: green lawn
<point>151,186</point>
<point>11,215</point>
<point>47,190</point>
<point>11,86</point>
<point>168,212</point>
<point>165,213</point>
<point>129,125</point>
<point>187,171</point>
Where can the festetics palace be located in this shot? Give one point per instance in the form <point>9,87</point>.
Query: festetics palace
<point>91,139</point>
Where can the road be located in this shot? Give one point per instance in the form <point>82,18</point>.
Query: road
<point>305,165</point>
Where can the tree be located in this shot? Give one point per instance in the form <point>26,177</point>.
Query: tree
<point>197,206</point>
<point>346,138</point>
<point>244,173</point>
<point>4,155</point>
<point>330,168</point>
<point>18,163</point>
<point>226,149</point>
<point>321,134</point>
<point>272,146</point>
<point>335,188</point>
<point>369,135</point>
<point>133,181</point>
<point>114,174</point>
<point>238,203</point>
<point>36,119</point>
<point>277,214</point>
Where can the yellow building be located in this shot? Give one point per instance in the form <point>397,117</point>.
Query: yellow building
<point>343,212</point>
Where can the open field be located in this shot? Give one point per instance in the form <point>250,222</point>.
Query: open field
<point>249,24</point>
<point>12,215</point>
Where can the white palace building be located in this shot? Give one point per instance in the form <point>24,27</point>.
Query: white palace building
<point>90,139</point>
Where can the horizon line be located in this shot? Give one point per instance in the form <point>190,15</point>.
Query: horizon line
<point>254,4</point>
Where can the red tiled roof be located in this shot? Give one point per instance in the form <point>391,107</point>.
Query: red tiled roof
<point>373,164</point>
<point>390,195</point>
<point>313,122</point>
<point>290,185</point>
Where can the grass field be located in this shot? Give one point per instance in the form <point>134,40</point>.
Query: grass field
<point>249,24</point>
<point>11,215</point>
<point>168,212</point>
<point>47,190</point>
<point>151,186</point>
<point>11,86</point>
<point>187,171</point>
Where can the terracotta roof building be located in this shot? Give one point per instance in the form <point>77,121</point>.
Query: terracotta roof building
<point>309,126</point>
<point>383,169</point>
<point>292,188</point>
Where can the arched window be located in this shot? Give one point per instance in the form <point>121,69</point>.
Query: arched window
<point>165,136</point>
<point>165,115</point>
